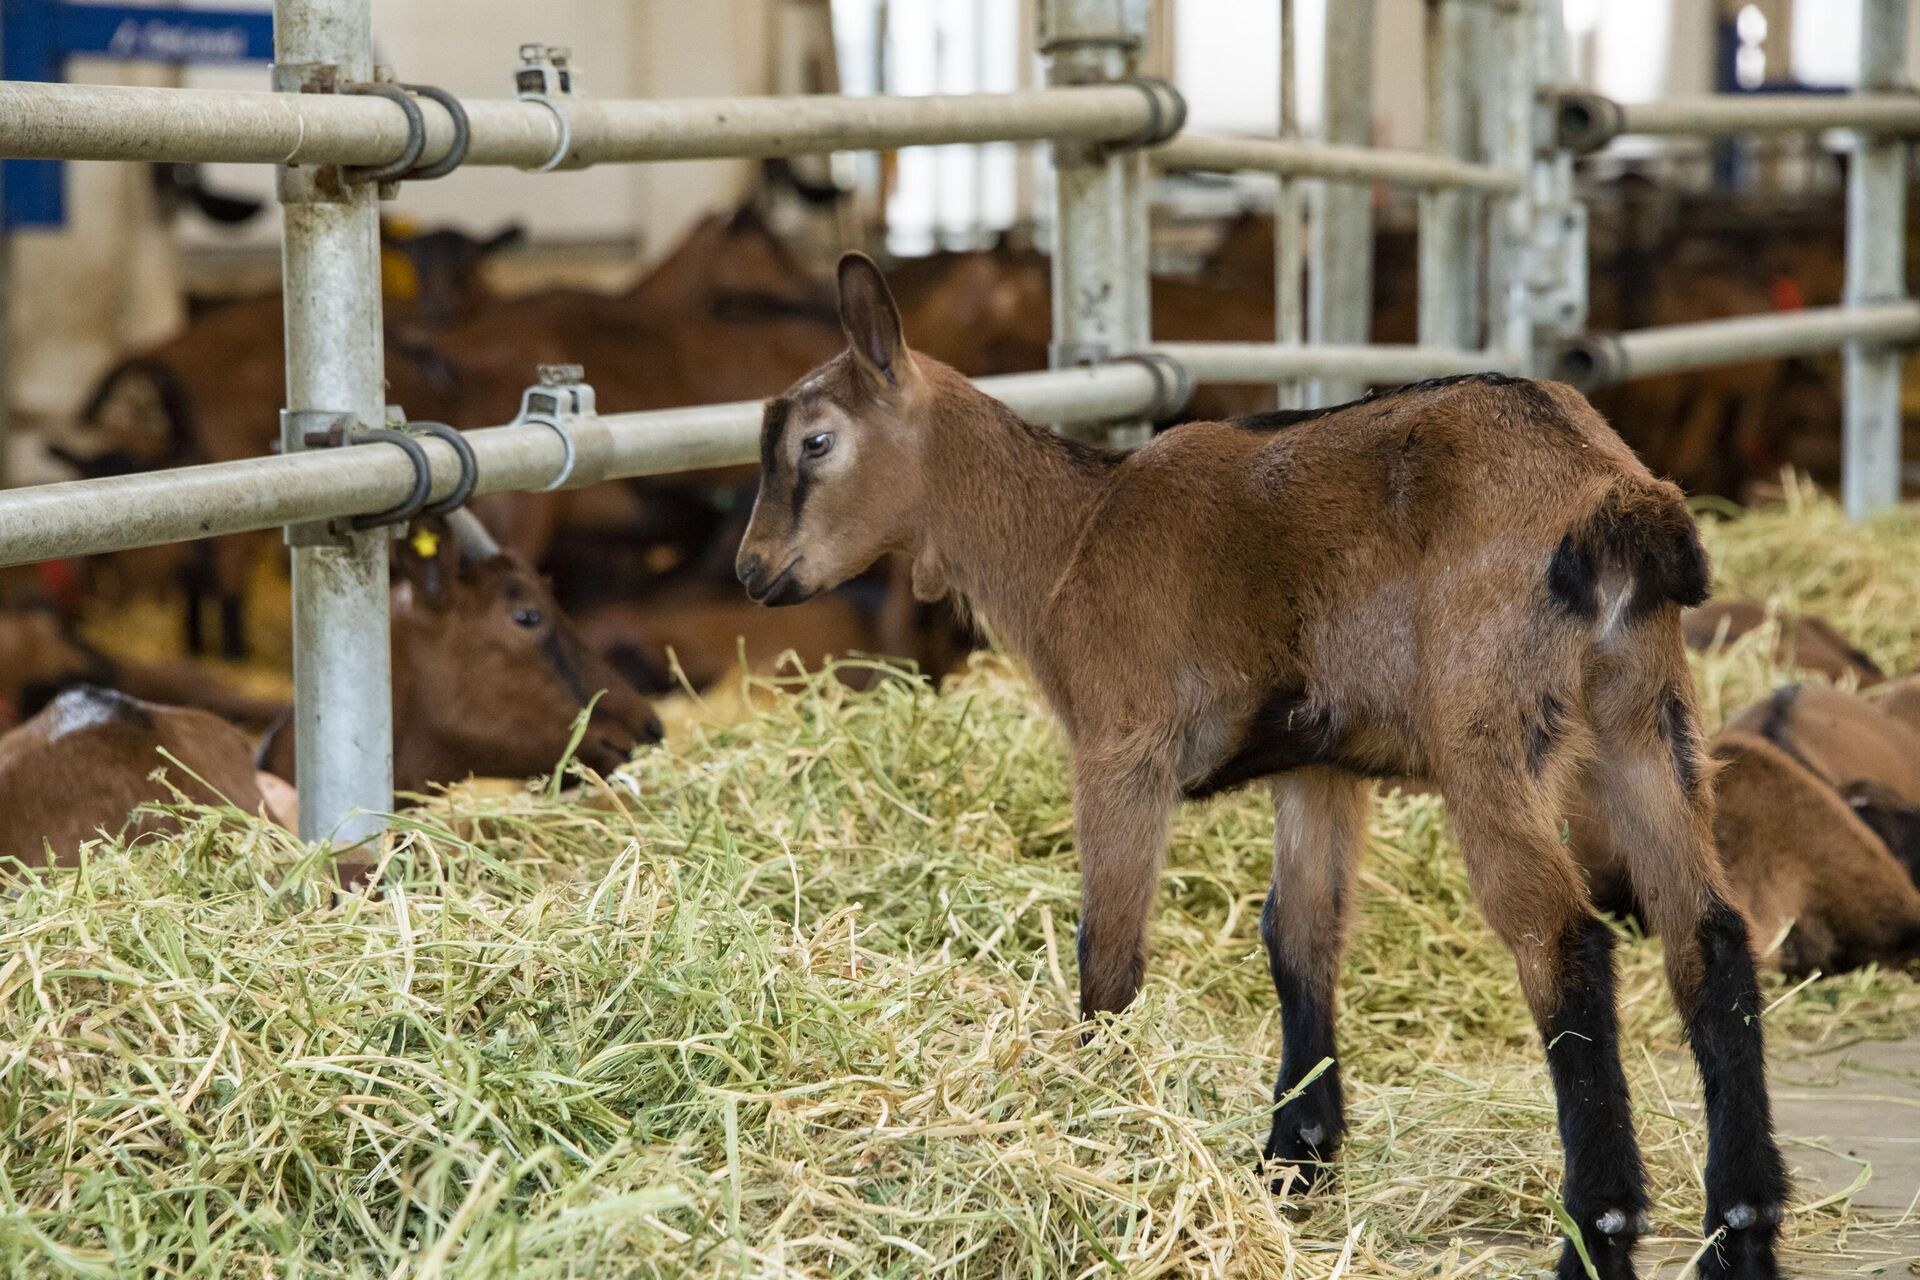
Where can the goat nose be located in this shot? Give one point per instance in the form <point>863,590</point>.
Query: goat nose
<point>748,570</point>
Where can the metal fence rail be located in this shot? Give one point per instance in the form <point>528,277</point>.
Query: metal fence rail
<point>1502,255</point>
<point>1588,121</point>
<point>108,122</point>
<point>1599,360</point>
<point>1377,365</point>
<point>1335,163</point>
<point>1874,325</point>
<point>87,517</point>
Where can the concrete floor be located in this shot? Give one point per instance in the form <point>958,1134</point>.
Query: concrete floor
<point>1834,1111</point>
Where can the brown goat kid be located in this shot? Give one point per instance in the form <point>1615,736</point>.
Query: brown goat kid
<point>488,673</point>
<point>84,764</point>
<point>1858,747</point>
<point>1472,581</point>
<point>1809,643</point>
<point>1807,865</point>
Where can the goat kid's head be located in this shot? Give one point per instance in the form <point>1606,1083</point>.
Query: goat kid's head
<point>493,670</point>
<point>442,269</point>
<point>840,455</point>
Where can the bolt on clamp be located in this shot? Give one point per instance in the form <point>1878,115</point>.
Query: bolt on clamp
<point>563,403</point>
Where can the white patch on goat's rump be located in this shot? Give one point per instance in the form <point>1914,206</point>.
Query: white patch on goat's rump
<point>80,709</point>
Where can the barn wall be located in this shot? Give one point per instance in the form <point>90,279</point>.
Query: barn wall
<point>105,284</point>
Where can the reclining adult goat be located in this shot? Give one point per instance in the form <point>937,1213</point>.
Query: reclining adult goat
<point>1470,580</point>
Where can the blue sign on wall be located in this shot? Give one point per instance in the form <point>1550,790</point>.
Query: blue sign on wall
<point>38,36</point>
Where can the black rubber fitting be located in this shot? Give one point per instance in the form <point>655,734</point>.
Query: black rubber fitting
<point>416,135</point>
<point>469,467</point>
<point>416,501</point>
<point>462,134</point>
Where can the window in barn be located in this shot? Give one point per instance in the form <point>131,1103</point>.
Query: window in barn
<point>1825,43</point>
<point>935,197</point>
<point>1226,62</point>
<point>1621,48</point>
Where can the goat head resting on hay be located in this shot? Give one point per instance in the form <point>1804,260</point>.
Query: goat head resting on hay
<point>1470,580</point>
<point>488,673</point>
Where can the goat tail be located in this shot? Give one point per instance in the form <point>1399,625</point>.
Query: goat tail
<point>1640,527</point>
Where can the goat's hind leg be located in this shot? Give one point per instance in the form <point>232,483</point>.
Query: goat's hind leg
<point>1532,893</point>
<point>1648,785</point>
<point>1320,819</point>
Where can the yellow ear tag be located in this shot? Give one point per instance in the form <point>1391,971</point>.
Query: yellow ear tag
<point>425,543</point>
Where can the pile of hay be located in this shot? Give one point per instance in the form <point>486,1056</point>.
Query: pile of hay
<point>794,996</point>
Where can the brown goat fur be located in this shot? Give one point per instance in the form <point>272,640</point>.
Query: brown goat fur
<point>1804,866</point>
<point>488,676</point>
<point>81,767</point>
<point>1901,700</point>
<point>1471,580</point>
<point>1809,643</point>
<point>1844,738</point>
<point>1859,747</point>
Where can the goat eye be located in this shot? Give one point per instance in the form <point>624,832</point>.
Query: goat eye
<point>527,617</point>
<point>815,446</point>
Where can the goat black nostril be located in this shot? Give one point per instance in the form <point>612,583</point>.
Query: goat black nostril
<point>748,569</point>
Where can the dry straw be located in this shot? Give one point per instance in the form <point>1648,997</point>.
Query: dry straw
<point>794,997</point>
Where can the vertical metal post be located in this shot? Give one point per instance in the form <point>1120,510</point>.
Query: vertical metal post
<point>1340,272</point>
<point>1510,127</point>
<point>1100,263</point>
<point>1289,252</point>
<point>1876,267</point>
<point>1449,218</point>
<point>343,712</point>
<point>1557,256</point>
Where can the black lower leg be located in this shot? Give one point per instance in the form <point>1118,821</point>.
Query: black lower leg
<point>1606,1194</point>
<point>1307,1127</point>
<point>1746,1181</point>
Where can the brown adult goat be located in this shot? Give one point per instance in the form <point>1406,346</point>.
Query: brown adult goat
<point>1471,580</point>
<point>488,674</point>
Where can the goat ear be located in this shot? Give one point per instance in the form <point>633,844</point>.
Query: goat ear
<point>868,314</point>
<point>429,561</point>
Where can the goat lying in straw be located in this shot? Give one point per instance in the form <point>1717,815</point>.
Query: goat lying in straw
<point>1471,580</point>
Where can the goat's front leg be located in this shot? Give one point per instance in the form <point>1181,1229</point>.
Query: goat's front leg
<point>1320,821</point>
<point>1120,816</point>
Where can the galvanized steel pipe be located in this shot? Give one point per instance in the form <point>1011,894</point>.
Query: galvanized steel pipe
<point>1334,163</point>
<point>1588,122</point>
<point>1378,365</point>
<point>112,122</point>
<point>342,703</point>
<point>85,517</point>
<point>1599,360</point>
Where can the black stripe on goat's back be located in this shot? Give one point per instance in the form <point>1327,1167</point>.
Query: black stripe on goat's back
<point>1279,419</point>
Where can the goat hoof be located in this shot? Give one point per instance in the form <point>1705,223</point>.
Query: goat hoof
<point>1611,1251</point>
<point>1301,1154</point>
<point>1744,1250</point>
